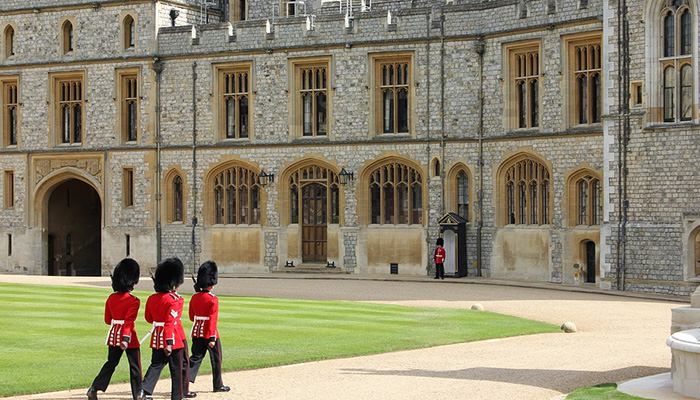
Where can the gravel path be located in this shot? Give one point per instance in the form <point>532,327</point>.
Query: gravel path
<point>619,338</point>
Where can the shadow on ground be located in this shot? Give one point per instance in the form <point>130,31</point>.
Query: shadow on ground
<point>560,380</point>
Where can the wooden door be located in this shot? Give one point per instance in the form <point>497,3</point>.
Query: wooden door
<point>314,228</point>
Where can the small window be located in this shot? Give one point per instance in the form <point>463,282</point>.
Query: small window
<point>129,32</point>
<point>128,186</point>
<point>177,199</point>
<point>129,104</point>
<point>10,110</point>
<point>68,38</point>
<point>9,184</point>
<point>9,244</point>
<point>9,42</point>
<point>128,245</point>
<point>637,94</point>
<point>239,10</point>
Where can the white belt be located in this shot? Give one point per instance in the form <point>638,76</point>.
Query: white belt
<point>198,318</point>
<point>155,324</point>
<point>117,322</point>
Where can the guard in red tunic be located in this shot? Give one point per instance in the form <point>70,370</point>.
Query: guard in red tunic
<point>168,340</point>
<point>439,259</point>
<point>204,312</point>
<point>121,310</point>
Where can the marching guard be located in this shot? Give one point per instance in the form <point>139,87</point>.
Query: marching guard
<point>121,310</point>
<point>168,340</point>
<point>204,312</point>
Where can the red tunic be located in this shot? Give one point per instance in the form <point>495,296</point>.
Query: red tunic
<point>439,255</point>
<point>164,311</point>
<point>204,311</point>
<point>121,310</point>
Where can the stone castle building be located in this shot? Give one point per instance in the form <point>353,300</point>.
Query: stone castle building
<point>263,133</point>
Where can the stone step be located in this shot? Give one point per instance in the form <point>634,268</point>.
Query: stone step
<point>309,268</point>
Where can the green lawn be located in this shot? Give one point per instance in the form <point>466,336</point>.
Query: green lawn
<point>53,338</point>
<point>605,391</point>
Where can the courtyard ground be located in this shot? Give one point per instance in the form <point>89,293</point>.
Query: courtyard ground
<point>618,338</point>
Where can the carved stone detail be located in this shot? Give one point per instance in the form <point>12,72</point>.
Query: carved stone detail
<point>91,165</point>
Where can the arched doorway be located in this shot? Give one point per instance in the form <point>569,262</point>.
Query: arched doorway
<point>314,200</point>
<point>590,262</point>
<point>74,230</point>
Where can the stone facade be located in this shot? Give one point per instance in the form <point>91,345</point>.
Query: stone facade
<point>179,135</point>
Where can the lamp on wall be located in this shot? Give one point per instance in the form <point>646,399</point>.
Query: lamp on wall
<point>265,178</point>
<point>345,176</point>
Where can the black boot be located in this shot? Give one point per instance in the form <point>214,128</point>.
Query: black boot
<point>92,393</point>
<point>222,389</point>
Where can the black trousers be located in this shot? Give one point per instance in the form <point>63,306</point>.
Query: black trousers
<point>175,364</point>
<point>113,356</point>
<point>200,346</point>
<point>439,270</point>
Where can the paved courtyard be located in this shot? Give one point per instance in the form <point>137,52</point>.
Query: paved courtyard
<point>619,338</point>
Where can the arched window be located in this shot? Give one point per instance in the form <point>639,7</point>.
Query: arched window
<point>396,195</point>
<point>526,184</point>
<point>463,195</point>
<point>236,196</point>
<point>68,39</point>
<point>324,200</point>
<point>589,204</point>
<point>9,41</point>
<point>676,61</point>
<point>177,199</point>
<point>129,31</point>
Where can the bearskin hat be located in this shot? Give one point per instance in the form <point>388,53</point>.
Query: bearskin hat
<point>208,275</point>
<point>440,242</point>
<point>126,275</point>
<point>169,273</point>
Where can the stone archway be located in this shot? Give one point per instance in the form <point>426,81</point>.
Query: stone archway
<point>73,226</point>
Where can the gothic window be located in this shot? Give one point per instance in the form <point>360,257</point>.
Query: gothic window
<point>9,41</point>
<point>129,104</point>
<point>396,195</point>
<point>236,196</point>
<point>392,97</point>
<point>676,61</point>
<point>177,200</point>
<point>463,195</point>
<point>69,108</point>
<point>10,112</point>
<point>234,102</point>
<point>527,185</point>
<point>589,205</point>
<point>67,37</point>
<point>524,85</point>
<point>129,32</point>
<point>585,66</point>
<point>314,174</point>
<point>313,96</point>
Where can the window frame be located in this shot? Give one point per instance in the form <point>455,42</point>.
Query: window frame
<point>67,41</point>
<point>415,176</point>
<point>515,192</point>
<point>514,77</point>
<point>659,109</point>
<point>169,183</point>
<point>129,31</point>
<point>128,185</point>
<point>128,93</point>
<point>9,192</point>
<point>376,61</point>
<point>239,10</point>
<point>252,182</point>
<point>9,41</point>
<point>297,91</point>
<point>10,101</point>
<point>572,43</point>
<point>220,104</point>
<point>56,81</point>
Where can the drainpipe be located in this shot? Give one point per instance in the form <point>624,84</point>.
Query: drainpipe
<point>623,120</point>
<point>194,166</point>
<point>480,50</point>
<point>427,147</point>
<point>442,108</point>
<point>158,69</point>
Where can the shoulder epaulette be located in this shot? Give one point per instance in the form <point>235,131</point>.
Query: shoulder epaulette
<point>211,294</point>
